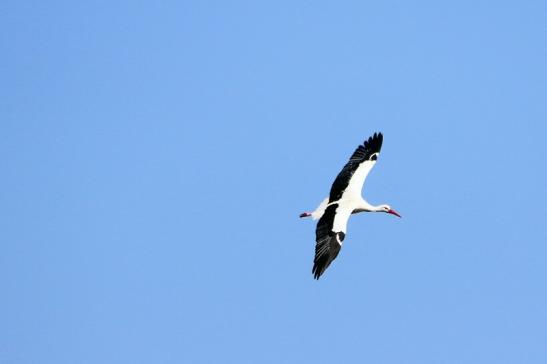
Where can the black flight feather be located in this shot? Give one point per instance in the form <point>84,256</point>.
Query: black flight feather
<point>328,242</point>
<point>363,153</point>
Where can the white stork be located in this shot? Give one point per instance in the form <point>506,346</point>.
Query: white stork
<point>344,199</point>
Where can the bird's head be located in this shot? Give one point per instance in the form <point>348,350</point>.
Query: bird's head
<point>389,210</point>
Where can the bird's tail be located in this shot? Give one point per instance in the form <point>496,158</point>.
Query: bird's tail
<point>320,210</point>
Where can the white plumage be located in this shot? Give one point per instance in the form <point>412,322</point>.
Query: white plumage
<point>345,199</point>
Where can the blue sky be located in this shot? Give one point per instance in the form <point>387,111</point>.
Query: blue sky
<point>156,155</point>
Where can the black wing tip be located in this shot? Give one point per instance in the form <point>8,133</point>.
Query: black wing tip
<point>326,251</point>
<point>374,143</point>
<point>317,272</point>
<point>377,137</point>
<point>319,267</point>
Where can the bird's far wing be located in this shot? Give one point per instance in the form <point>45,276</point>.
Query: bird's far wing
<point>329,235</point>
<point>350,180</point>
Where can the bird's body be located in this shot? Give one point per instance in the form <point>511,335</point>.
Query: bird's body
<point>344,199</point>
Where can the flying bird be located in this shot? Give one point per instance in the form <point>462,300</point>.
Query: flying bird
<point>344,199</point>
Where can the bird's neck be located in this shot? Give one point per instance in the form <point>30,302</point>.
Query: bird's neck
<point>365,206</point>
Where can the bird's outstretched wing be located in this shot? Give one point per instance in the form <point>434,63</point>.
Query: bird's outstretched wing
<point>329,235</point>
<point>350,180</point>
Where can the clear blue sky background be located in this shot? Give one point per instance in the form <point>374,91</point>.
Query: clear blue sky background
<point>155,157</point>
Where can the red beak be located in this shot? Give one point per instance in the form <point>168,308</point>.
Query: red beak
<point>393,212</point>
